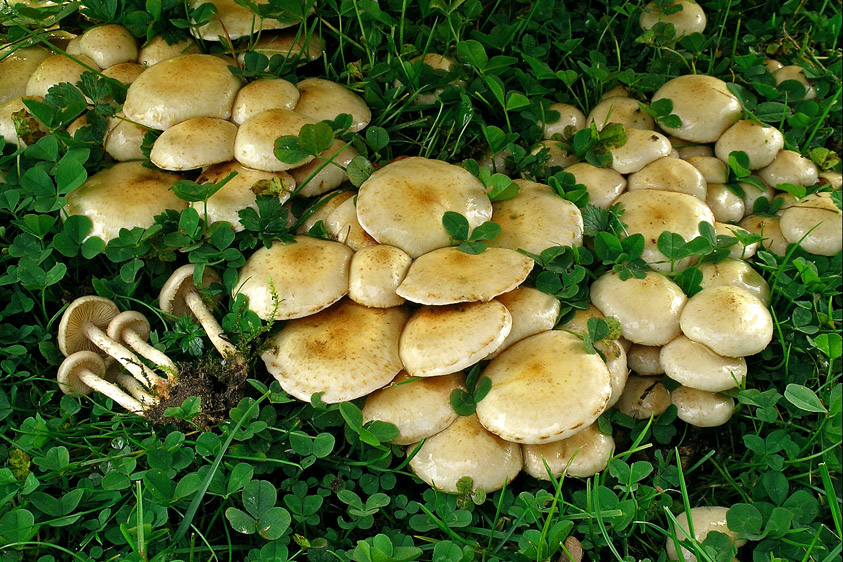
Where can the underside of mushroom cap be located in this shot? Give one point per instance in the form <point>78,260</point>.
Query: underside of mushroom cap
<point>584,454</point>
<point>466,449</point>
<point>574,388</point>
<point>294,280</point>
<point>68,373</point>
<point>71,336</point>
<point>449,276</point>
<point>402,204</point>
<point>445,339</point>
<point>172,296</point>
<point>344,352</point>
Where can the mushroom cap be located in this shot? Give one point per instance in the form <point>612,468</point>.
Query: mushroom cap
<point>623,110</point>
<point>288,44</point>
<point>712,168</point>
<point>569,116</point>
<point>729,320</point>
<point>16,68</point>
<point>532,312</point>
<point>7,125</point>
<point>171,299</point>
<point>108,45</point>
<point>582,455</point>
<point>233,21</point>
<point>831,178</point>
<point>737,251</point>
<point>449,276</point>
<point>706,519</point>
<point>123,139</point>
<point>124,72</point>
<point>255,143</point>
<point>402,204</point>
<point>70,368</point>
<point>437,62</point>
<point>604,185</point>
<point>439,340</point>
<point>327,171</point>
<point>345,352</point>
<point>128,320</point>
<point>465,448</point>
<point>651,212</point>
<point>98,311</point>
<point>689,19</point>
<point>535,219</point>
<point>343,226</point>
<point>696,366</point>
<point>574,387</point>
<point>127,195</point>
<point>324,100</point>
<point>794,72</point>
<point>735,273</point>
<point>374,274</point>
<point>181,88</point>
<point>307,276</point>
<point>239,193</point>
<point>327,204</point>
<point>641,148</point>
<point>578,323</point>
<point>55,69</point>
<point>770,230</point>
<point>263,94</point>
<point>725,205</point>
<point>648,309</point>
<point>669,174</point>
<point>644,359</point>
<point>815,223</point>
<point>614,355</point>
<point>157,49</point>
<point>761,143</point>
<point>752,193</point>
<point>702,408</point>
<point>703,103</point>
<point>643,397</point>
<point>557,156</point>
<point>686,149</point>
<point>194,143</point>
<point>419,408</point>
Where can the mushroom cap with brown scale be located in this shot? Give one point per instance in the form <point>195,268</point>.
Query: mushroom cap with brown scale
<point>322,99</point>
<point>194,143</point>
<point>466,449</point>
<point>172,296</point>
<point>449,276</point>
<point>345,352</point>
<point>641,148</point>
<point>582,455</point>
<point>305,277</point>
<point>91,309</point>
<point>574,388</point>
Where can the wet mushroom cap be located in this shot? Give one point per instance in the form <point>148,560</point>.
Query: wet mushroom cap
<point>689,18</point>
<point>194,143</point>
<point>346,352</point>
<point>402,204</point>
<point>770,231</point>
<point>94,310</point>
<point>254,145</point>
<point>374,274</point>
<point>696,366</point>
<point>569,116</point>
<point>306,276</point>
<point>644,359</point>
<point>342,225</point>
<point>7,125</point>
<point>761,143</point>
<point>289,44</point>
<point>604,185</point>
<point>643,397</point>
<point>449,276</point>
<point>725,204</point>
<point>790,167</point>
<point>327,172</point>
<point>641,148</point>
<point>439,340</point>
<point>108,45</point>
<point>263,94</point>
<point>574,387</point>
<point>623,110</point>
<point>16,68</point>
<point>419,408</point>
<point>815,223</point>
<point>735,273</point>
<point>701,408</point>
<point>712,168</point>
<point>322,99</point>
<point>582,455</point>
<point>465,448</point>
<point>703,103</point>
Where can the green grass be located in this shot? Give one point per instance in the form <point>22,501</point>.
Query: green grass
<point>280,479</point>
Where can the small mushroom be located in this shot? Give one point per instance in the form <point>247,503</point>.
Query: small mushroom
<point>643,397</point>
<point>16,67</point>
<point>761,143</point>
<point>797,73</point>
<point>644,359</point>
<point>569,116</point>
<point>254,145</point>
<point>685,16</point>
<point>701,408</point>
<point>108,45</point>
<point>705,520</point>
<point>374,274</point>
<point>696,366</point>
<point>815,223</point>
<point>263,94</point>
<point>582,455</point>
<point>159,49</point>
<point>83,372</point>
<point>322,99</point>
<point>132,329</point>
<point>789,167</point>
<point>735,273</point>
<point>669,174</point>
<point>623,110</point>
<point>641,148</point>
<point>604,185</point>
<point>712,168</point>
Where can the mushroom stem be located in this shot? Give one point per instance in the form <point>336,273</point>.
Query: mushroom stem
<point>135,389</point>
<point>111,390</point>
<point>156,356</point>
<point>209,323</point>
<point>125,357</point>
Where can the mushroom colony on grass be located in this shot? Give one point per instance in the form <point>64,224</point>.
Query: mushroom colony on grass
<point>425,291</point>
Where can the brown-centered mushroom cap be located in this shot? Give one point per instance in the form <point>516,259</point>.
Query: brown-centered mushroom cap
<point>254,145</point>
<point>374,274</point>
<point>108,45</point>
<point>322,99</point>
<point>703,103</point>
<point>194,143</point>
<point>345,352</point>
<point>696,366</point>
<point>701,408</point>
<point>689,17</point>
<point>582,455</point>
<point>623,110</point>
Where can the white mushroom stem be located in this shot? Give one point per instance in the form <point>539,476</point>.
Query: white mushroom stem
<point>135,389</point>
<point>156,356</point>
<point>208,322</point>
<point>123,356</point>
<point>109,389</point>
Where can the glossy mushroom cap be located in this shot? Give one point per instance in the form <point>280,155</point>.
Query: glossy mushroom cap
<point>55,69</point>
<point>696,366</point>
<point>195,143</point>
<point>263,94</point>
<point>701,408</point>
<point>690,18</point>
<point>789,167</point>
<point>322,99</point>
<point>761,143</point>
<point>375,273</point>
<point>584,454</point>
<point>669,174</point>
<point>254,145</point>
<point>644,359</point>
<point>815,223</point>
<point>703,103</point>
<point>233,21</point>
<point>712,168</point>
<point>16,68</point>
<point>735,273</point>
<point>569,116</point>
<point>705,520</point>
<point>641,148</point>
<point>604,185</point>
<point>327,171</point>
<point>643,397</point>
<point>108,45</point>
<point>157,49</point>
<point>623,110</point>
<point>532,312</point>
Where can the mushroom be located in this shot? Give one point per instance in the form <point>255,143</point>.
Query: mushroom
<point>326,171</point>
<point>374,274</point>
<point>305,47</point>
<point>712,168</point>
<point>323,207</point>
<point>830,178</point>
<point>582,455</point>
<point>815,223</point>
<point>557,156</point>
<point>696,366</point>
<point>735,273</point>
<point>569,116</point>
<point>233,20</point>
<point>437,62</point>
<point>108,45</point>
<point>643,397</point>
<point>738,250</point>
<point>686,149</point>
<point>55,69</point>
<point>532,312</point>
<point>789,167</point>
<point>342,225</point>
<point>83,372</point>
<point>623,110</point>
<point>132,329</point>
<point>180,295</point>
<point>641,148</point>
<point>687,18</point>
<point>158,49</point>
<point>604,185</point>
<point>263,94</point>
<point>82,328</point>
<point>7,125</point>
<point>254,145</point>
<point>704,520</point>
<point>644,359</point>
<point>761,143</point>
<point>669,174</point>
<point>769,230</point>
<point>322,99</point>
<point>16,67</point>
<point>194,143</point>
<point>123,139</point>
<point>797,73</point>
<point>701,408</point>
<point>704,105</point>
<point>725,204</point>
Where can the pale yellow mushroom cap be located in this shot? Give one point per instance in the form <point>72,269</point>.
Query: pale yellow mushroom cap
<point>725,205</point>
<point>770,231</point>
<point>544,388</point>
<point>557,156</point>
<point>375,273</point>
<point>641,148</point>
<point>254,145</point>
<point>648,309</point>
<point>326,172</point>
<point>124,72</point>
<point>772,65</point>
<point>644,359</point>
<point>437,62</point>
<point>643,397</point>
<point>158,49</point>
<point>108,45</point>
<point>794,72</point>
<point>686,149</point>
<point>815,223</point>
<point>737,251</point>
<point>614,355</point>
<point>448,276</point>
<point>240,192</point>
<point>753,193</point>
<point>263,94</point>
<point>532,312</point>
<point>701,408</point>
<point>705,520</point>
<point>833,179</point>
<point>194,143</point>
<point>439,340</point>
<point>582,455</point>
<point>790,167</point>
<point>703,103</point>
<point>689,19</point>
<point>342,225</point>
<point>326,206</point>
<point>669,174</point>
<point>402,204</point>
<point>123,139</point>
<point>233,21</point>
<point>696,366</point>
<point>289,44</point>
<point>651,212</point>
<point>731,321</point>
<point>735,273</point>
<point>180,88</point>
<point>322,99</point>
<point>761,143</point>
<point>345,352</point>
<point>16,68</point>
<point>604,185</point>
<point>419,408</point>
<point>55,69</point>
<point>306,276</point>
<point>569,116</point>
<point>465,448</point>
<point>535,219</point>
<point>127,195</point>
<point>623,110</point>
<point>7,124</point>
<point>579,322</point>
